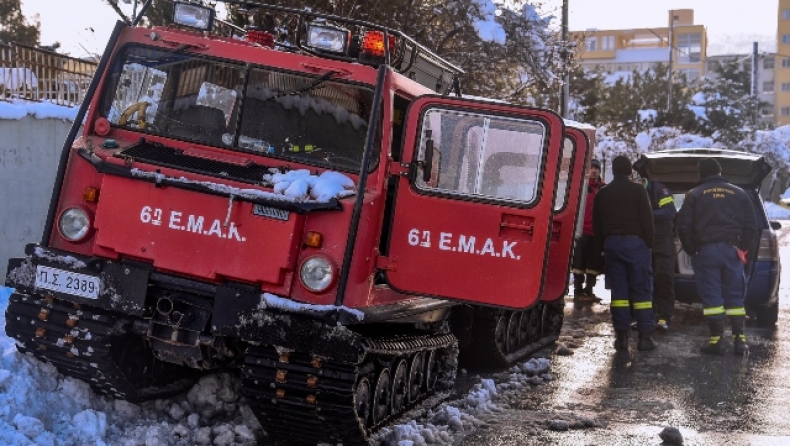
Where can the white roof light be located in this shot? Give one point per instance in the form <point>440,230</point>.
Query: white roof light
<point>193,16</point>
<point>327,38</point>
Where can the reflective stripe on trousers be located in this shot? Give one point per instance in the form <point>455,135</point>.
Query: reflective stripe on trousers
<point>629,276</point>
<point>720,280</point>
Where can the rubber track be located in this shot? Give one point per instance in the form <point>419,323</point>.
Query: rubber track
<point>290,419</point>
<point>88,356</point>
<point>483,350</point>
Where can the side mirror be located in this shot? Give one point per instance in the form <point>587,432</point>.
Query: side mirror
<point>775,225</point>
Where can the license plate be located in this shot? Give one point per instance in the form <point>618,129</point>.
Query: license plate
<point>67,282</point>
<point>266,211</point>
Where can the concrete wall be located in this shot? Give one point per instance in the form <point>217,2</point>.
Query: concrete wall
<point>29,155</point>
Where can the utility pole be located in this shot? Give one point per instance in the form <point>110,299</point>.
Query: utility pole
<point>755,80</point>
<point>671,75</point>
<point>566,92</point>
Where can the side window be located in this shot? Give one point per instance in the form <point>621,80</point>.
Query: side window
<point>472,154</point>
<point>565,174</point>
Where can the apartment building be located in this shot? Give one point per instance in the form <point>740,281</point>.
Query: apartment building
<point>782,81</point>
<point>621,51</point>
<point>766,78</point>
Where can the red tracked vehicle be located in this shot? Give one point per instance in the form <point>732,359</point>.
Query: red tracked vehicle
<point>313,205</point>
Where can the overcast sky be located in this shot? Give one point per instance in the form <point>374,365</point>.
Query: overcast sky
<point>83,26</point>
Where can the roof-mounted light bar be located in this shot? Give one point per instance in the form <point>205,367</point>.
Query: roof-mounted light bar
<point>193,16</point>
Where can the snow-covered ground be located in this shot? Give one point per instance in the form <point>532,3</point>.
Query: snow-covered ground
<point>40,406</point>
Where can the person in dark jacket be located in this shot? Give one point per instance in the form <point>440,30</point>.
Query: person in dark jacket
<point>623,224</point>
<point>716,226</point>
<point>587,263</point>
<point>664,212</point>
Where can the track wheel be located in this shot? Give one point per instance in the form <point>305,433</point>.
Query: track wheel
<point>400,386</point>
<point>536,322</point>
<point>553,315</point>
<point>416,375</point>
<point>382,397</point>
<point>512,331</point>
<point>500,334</point>
<point>431,371</point>
<point>362,401</point>
<point>523,328</point>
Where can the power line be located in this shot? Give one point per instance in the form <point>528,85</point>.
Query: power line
<point>686,52</point>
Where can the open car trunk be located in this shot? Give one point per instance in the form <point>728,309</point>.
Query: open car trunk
<point>677,169</point>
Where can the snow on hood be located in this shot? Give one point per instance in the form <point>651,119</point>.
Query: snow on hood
<point>295,186</point>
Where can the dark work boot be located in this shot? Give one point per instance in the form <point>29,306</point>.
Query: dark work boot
<point>621,340</point>
<point>739,346</point>
<point>645,342</point>
<point>578,285</point>
<point>588,289</point>
<point>714,346</point>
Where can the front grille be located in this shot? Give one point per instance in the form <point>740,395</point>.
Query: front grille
<point>160,155</point>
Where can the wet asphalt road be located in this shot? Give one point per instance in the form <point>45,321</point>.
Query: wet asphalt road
<point>631,397</point>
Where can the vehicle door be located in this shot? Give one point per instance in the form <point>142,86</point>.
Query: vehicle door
<point>575,156</point>
<point>474,201</point>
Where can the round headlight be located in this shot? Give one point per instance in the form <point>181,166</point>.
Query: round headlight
<point>317,274</point>
<point>74,224</point>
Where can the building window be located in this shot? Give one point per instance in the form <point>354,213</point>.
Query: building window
<point>786,14</point>
<point>767,111</point>
<point>786,62</point>
<point>768,63</point>
<point>768,87</point>
<point>689,47</point>
<point>691,75</point>
<point>591,44</point>
<point>785,38</point>
<point>785,86</point>
<point>785,111</point>
<point>619,67</point>
<point>607,43</point>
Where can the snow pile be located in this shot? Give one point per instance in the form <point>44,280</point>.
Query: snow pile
<point>487,28</point>
<point>452,420</point>
<point>302,185</point>
<point>40,406</point>
<point>18,78</point>
<point>18,109</point>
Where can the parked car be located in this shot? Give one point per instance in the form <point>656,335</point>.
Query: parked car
<point>677,169</point>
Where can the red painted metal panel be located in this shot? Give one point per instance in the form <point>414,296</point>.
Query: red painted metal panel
<point>457,247</point>
<point>564,226</point>
<point>199,235</point>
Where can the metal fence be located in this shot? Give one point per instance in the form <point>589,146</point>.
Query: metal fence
<point>34,74</point>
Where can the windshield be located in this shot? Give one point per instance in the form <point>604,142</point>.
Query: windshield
<point>307,119</point>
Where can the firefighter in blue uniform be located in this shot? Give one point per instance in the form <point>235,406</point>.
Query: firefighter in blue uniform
<point>716,226</point>
<point>664,213</point>
<point>623,222</point>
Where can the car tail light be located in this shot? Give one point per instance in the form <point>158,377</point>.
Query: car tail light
<point>769,250</point>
